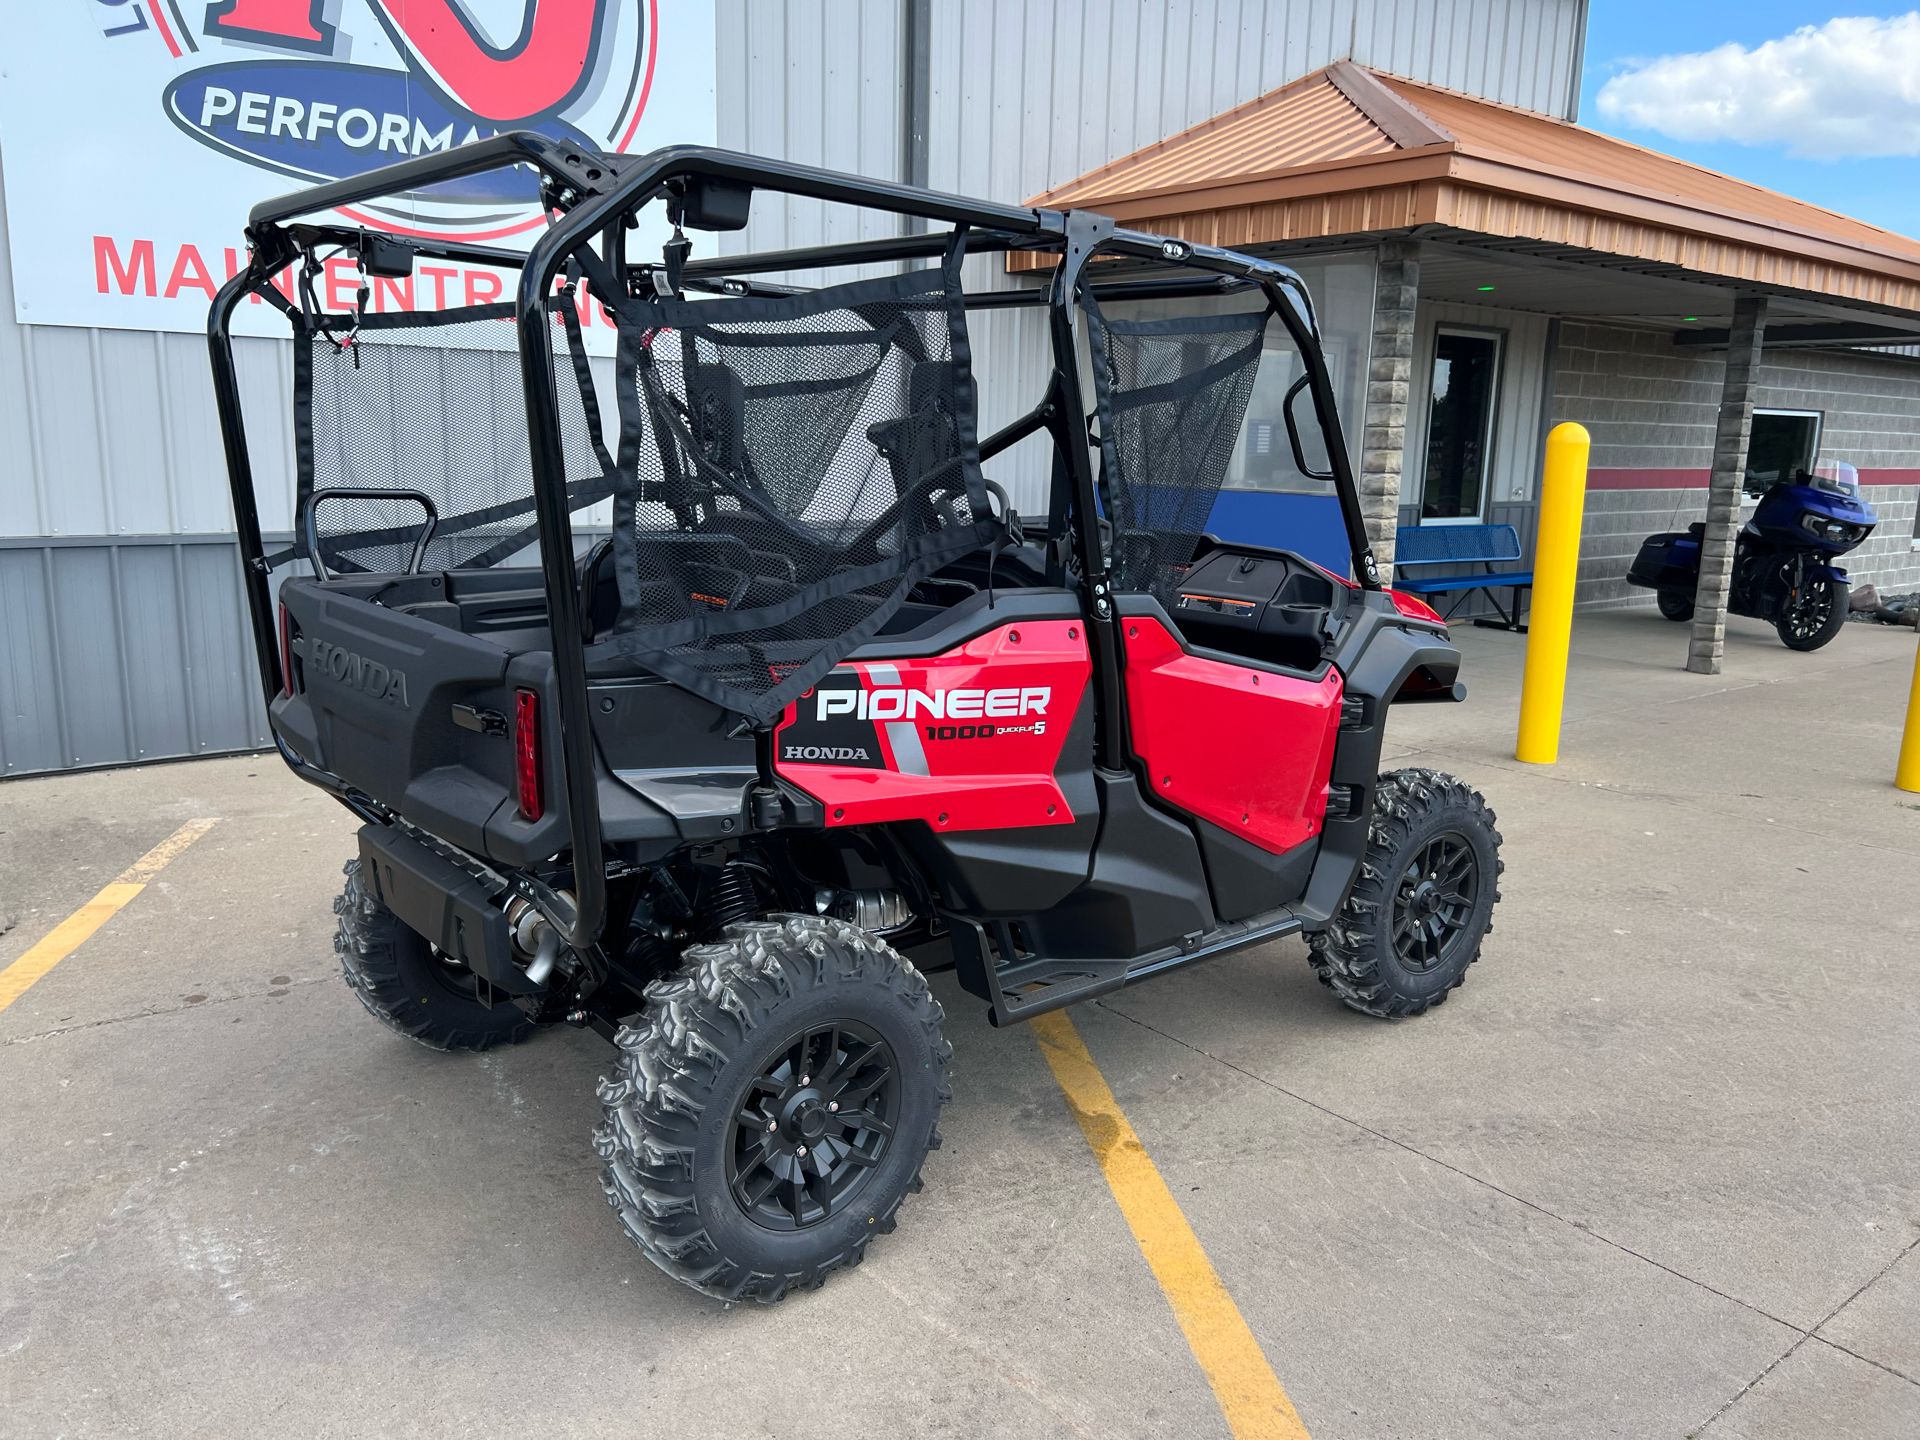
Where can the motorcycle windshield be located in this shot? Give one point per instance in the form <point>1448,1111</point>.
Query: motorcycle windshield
<point>1840,477</point>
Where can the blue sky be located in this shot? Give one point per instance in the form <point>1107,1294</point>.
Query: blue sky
<point>1853,86</point>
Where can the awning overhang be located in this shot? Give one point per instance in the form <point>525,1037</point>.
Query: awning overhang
<point>1347,153</point>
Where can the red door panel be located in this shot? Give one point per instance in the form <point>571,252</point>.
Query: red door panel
<point>966,740</point>
<point>1247,749</point>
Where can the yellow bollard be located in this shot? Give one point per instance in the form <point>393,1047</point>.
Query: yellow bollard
<point>1907,773</point>
<point>1556,560</point>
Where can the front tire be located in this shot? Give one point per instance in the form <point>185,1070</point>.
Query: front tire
<point>409,987</point>
<point>773,1107</point>
<point>1817,618</point>
<point>1422,902</point>
<point>1675,604</point>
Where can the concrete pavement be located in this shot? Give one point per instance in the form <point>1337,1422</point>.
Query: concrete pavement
<point>1654,1171</point>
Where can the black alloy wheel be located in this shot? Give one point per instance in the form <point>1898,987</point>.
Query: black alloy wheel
<point>1434,902</point>
<point>1422,902</point>
<point>813,1126</point>
<point>1814,615</point>
<point>772,1105</point>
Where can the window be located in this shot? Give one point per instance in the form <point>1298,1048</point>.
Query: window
<point>1783,442</point>
<point>1465,382</point>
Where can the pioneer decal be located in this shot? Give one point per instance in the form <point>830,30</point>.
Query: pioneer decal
<point>895,703</point>
<point>926,738</point>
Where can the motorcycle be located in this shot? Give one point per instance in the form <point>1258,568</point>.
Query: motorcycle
<point>1782,563</point>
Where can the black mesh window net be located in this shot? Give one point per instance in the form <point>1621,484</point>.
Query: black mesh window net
<point>1171,395</point>
<point>788,469</point>
<point>411,439</point>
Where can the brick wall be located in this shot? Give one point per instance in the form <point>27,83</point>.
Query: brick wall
<point>1651,409</point>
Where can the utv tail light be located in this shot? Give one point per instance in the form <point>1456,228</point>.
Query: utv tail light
<point>526,754</point>
<point>286,651</point>
<point>1414,608</point>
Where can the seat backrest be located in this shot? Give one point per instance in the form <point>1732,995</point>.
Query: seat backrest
<point>1459,544</point>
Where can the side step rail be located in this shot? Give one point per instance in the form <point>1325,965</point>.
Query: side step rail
<point>1018,986</point>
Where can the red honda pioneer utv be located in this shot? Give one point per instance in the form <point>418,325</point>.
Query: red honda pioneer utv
<point>684,694</point>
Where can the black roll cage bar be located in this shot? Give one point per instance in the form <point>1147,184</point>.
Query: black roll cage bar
<point>593,195</point>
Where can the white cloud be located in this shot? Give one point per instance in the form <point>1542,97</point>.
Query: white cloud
<point>1848,87</point>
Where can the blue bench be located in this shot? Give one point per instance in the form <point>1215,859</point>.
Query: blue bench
<point>1457,546</point>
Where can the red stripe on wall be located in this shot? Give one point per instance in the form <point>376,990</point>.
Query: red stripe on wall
<point>1599,478</point>
<point>1603,478</point>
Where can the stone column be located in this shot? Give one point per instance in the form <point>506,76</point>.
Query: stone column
<point>1383,432</point>
<point>1730,436</point>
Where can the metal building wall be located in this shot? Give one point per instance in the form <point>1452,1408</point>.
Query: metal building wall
<point>122,633</point>
<point>1026,95</point>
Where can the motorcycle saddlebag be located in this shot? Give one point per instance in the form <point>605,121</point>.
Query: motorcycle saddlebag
<point>1666,562</point>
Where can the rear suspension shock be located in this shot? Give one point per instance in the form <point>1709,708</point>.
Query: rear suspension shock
<point>730,898</point>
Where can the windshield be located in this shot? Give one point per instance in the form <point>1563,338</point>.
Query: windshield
<point>1839,476</point>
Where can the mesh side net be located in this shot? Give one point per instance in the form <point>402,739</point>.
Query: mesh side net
<point>426,409</point>
<point>1171,396</point>
<point>788,469</point>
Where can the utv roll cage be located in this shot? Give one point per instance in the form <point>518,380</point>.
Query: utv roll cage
<point>591,198</point>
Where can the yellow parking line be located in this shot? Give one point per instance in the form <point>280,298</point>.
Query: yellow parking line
<point>1250,1394</point>
<point>71,933</point>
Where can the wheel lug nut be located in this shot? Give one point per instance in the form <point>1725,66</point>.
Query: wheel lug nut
<point>833,1107</point>
<point>801,1151</point>
<point>773,1125</point>
<point>806,1079</point>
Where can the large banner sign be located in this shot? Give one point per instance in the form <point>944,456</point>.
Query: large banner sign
<point>136,134</point>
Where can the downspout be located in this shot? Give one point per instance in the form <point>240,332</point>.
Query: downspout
<point>916,79</point>
<point>1579,64</point>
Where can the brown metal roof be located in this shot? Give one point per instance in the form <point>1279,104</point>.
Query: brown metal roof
<point>1350,151</point>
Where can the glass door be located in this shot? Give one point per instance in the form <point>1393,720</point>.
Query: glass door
<point>1464,389</point>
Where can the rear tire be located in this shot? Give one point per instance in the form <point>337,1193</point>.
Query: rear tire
<point>1676,604</point>
<point>1422,902</point>
<point>409,988</point>
<point>1810,626</point>
<point>773,1107</point>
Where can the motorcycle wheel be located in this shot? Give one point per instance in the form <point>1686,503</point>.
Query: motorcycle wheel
<point>1676,604</point>
<point>1815,618</point>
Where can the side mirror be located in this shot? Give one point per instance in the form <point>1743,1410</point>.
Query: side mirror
<point>1293,432</point>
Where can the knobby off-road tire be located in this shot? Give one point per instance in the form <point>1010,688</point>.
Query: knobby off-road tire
<point>409,988</point>
<point>706,1107</point>
<point>1423,899</point>
<point>1675,604</point>
<point>1795,636</point>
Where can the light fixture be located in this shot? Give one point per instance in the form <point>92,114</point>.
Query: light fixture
<point>1484,288</point>
<point>1685,318</point>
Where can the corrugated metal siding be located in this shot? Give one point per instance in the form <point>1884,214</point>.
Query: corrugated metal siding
<point>115,648</point>
<point>819,83</point>
<point>124,650</point>
<point>1006,76</point>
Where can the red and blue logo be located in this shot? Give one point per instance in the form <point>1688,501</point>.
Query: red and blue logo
<point>320,90</point>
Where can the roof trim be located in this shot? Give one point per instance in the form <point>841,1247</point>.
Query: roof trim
<point>1397,120</point>
<point>1491,168</point>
